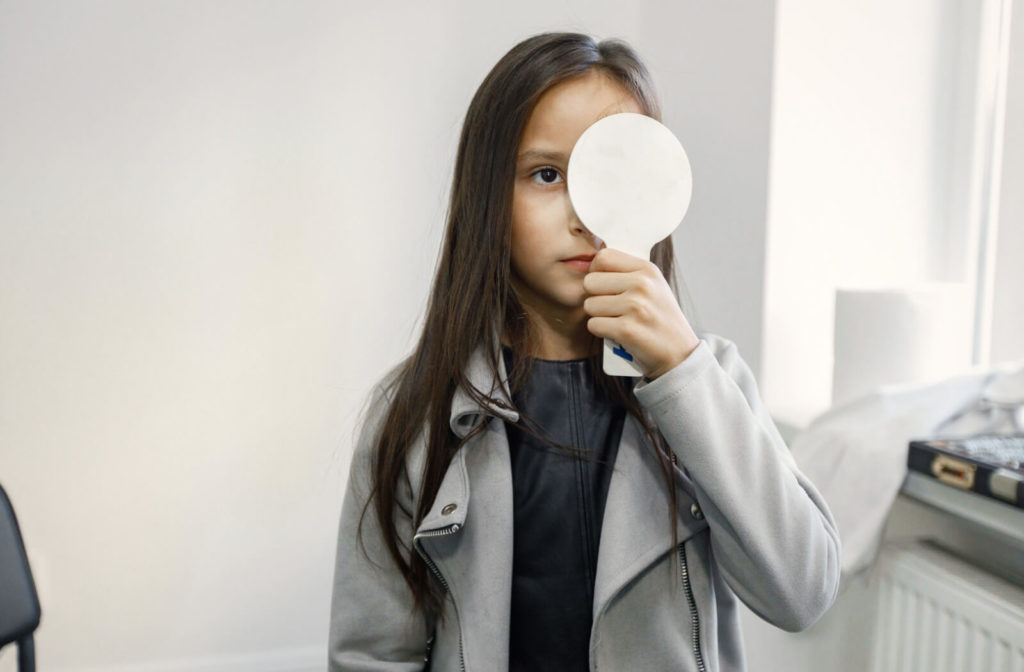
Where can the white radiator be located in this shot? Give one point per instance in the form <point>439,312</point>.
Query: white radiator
<point>937,613</point>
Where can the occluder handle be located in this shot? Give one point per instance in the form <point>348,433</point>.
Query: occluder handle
<point>618,361</point>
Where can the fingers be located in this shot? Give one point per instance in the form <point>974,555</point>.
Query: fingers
<point>603,327</point>
<point>614,272</point>
<point>617,329</point>
<point>608,259</point>
<point>607,283</point>
<point>609,305</point>
<point>629,301</point>
<point>644,283</point>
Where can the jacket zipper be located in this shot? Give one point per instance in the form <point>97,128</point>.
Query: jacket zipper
<point>440,532</point>
<point>691,603</point>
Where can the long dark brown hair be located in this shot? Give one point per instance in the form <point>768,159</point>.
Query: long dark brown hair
<point>472,301</point>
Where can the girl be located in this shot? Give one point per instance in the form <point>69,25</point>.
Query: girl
<point>510,507</point>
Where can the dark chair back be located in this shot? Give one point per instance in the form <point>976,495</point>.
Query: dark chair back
<point>19,604</point>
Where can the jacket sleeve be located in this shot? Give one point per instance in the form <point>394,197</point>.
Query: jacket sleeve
<point>772,534</point>
<point>373,627</point>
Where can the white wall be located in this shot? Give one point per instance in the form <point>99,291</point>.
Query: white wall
<point>217,225</point>
<point>713,61</point>
<point>177,270</point>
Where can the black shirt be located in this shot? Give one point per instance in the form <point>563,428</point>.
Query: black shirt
<point>558,506</point>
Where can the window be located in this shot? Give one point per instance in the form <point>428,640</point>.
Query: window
<point>886,161</point>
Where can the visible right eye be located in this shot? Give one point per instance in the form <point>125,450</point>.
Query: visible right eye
<point>546,176</point>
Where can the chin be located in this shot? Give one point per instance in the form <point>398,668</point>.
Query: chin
<point>574,299</point>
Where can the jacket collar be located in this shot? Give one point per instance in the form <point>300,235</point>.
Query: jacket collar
<point>466,411</point>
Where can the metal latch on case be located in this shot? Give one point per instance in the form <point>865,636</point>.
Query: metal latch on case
<point>1004,483</point>
<point>954,472</point>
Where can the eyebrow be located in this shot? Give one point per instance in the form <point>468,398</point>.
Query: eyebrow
<point>540,155</point>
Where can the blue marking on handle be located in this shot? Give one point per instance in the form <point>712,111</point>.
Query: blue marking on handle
<point>621,352</point>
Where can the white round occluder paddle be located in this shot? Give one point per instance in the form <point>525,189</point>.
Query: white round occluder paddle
<point>630,184</point>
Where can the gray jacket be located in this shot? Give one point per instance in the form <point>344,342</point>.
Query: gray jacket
<point>750,525</point>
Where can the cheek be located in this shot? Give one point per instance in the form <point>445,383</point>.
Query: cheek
<point>537,218</point>
<point>526,234</point>
<point>524,254</point>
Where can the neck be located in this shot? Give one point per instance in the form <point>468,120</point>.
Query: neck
<point>561,336</point>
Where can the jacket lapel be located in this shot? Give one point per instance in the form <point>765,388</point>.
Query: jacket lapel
<point>466,411</point>
<point>635,531</point>
<point>476,559</point>
<point>465,414</point>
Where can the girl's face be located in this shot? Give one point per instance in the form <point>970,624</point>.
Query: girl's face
<point>546,234</point>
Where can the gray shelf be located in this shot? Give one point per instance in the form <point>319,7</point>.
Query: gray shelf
<point>988,513</point>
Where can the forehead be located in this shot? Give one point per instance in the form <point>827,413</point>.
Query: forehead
<point>567,109</point>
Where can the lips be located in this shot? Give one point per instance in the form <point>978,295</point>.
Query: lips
<point>580,262</point>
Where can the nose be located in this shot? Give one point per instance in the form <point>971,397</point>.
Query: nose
<point>577,227</point>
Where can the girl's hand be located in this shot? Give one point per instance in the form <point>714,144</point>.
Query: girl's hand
<point>630,302</point>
